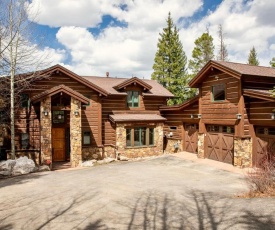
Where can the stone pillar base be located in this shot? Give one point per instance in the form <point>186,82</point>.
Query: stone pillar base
<point>243,152</point>
<point>201,153</point>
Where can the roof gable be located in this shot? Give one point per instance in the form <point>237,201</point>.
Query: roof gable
<point>58,89</point>
<point>236,70</point>
<point>108,84</point>
<point>59,68</point>
<point>134,81</point>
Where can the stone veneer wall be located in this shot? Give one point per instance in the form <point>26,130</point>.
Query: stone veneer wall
<point>109,151</point>
<point>243,152</point>
<point>201,145</point>
<point>132,152</point>
<point>90,153</point>
<point>75,133</point>
<point>46,130</point>
<point>170,145</point>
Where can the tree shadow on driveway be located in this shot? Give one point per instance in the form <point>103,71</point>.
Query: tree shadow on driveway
<point>194,210</point>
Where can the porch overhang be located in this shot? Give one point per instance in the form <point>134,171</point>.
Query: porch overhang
<point>120,118</point>
<point>59,89</point>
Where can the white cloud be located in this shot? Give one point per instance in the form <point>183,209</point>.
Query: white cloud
<point>243,27</point>
<point>127,51</point>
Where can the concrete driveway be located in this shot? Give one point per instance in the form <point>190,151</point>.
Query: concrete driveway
<point>164,192</point>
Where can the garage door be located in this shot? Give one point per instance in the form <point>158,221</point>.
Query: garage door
<point>220,143</point>
<point>265,142</point>
<point>191,138</point>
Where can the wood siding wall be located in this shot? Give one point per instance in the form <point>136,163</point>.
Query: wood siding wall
<point>29,119</point>
<point>223,112</point>
<point>178,118</point>
<point>118,104</point>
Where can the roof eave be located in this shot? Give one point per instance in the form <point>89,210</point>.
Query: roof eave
<point>194,83</point>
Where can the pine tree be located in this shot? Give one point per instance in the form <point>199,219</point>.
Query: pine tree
<point>202,52</point>
<point>272,62</point>
<point>252,57</point>
<point>170,63</point>
<point>222,53</point>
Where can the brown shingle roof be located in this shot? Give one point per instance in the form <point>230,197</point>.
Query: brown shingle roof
<point>260,94</point>
<point>136,117</point>
<point>234,69</point>
<point>108,84</point>
<point>180,106</point>
<point>246,69</point>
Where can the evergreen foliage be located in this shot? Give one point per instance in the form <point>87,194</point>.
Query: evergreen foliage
<point>170,63</point>
<point>202,52</point>
<point>272,62</point>
<point>252,57</point>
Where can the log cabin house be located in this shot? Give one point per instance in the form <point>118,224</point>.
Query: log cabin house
<point>232,120</point>
<point>66,117</point>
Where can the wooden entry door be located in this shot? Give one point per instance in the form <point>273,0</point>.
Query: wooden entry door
<point>191,138</point>
<point>58,143</point>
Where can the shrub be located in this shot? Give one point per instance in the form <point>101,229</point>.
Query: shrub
<point>261,181</point>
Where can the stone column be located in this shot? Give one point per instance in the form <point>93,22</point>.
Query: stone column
<point>75,133</point>
<point>243,152</point>
<point>201,145</point>
<point>46,129</point>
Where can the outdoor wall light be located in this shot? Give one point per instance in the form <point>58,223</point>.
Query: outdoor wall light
<point>59,116</point>
<point>272,116</point>
<point>76,112</point>
<point>239,116</point>
<point>46,113</point>
<point>192,116</point>
<point>199,116</point>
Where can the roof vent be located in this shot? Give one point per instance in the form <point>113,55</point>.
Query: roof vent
<point>107,74</point>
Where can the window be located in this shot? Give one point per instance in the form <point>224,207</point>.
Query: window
<point>132,98</point>
<point>228,129</point>
<point>86,138</point>
<point>218,92</point>
<point>24,101</point>
<point>58,117</point>
<point>89,97</point>
<point>151,136</point>
<point>139,136</point>
<point>24,140</point>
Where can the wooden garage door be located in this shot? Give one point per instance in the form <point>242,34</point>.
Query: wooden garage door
<point>265,145</point>
<point>220,143</point>
<point>191,138</point>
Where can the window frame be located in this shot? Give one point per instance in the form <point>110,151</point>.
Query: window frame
<point>83,137</point>
<point>24,141</point>
<point>55,119</point>
<point>89,97</point>
<point>130,132</point>
<point>212,92</point>
<point>132,99</point>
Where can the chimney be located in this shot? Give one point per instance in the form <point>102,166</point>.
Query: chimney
<point>107,74</point>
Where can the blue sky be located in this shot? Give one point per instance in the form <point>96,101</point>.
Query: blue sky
<point>92,37</point>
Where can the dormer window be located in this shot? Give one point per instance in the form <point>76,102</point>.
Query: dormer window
<point>218,92</point>
<point>133,99</point>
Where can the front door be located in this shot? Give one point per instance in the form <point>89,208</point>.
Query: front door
<point>58,143</point>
